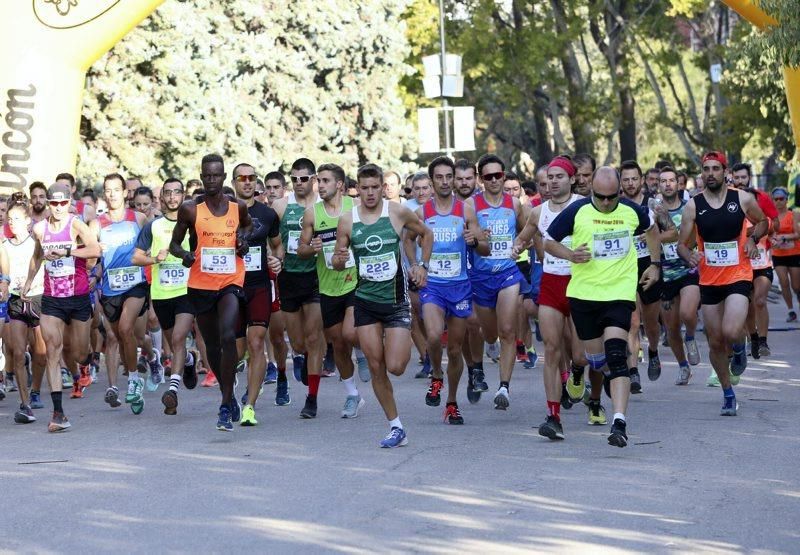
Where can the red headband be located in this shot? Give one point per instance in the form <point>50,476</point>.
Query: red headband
<point>564,164</point>
<point>717,156</point>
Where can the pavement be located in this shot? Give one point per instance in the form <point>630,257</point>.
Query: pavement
<point>689,481</point>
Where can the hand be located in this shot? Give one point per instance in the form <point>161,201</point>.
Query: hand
<point>470,238</point>
<point>750,248</point>
<point>695,258</point>
<point>419,275</point>
<point>516,250</point>
<point>188,259</point>
<point>581,254</point>
<point>316,244</point>
<point>55,254</point>
<point>161,256</point>
<point>275,264</point>
<point>242,247</point>
<point>650,277</point>
<point>23,291</point>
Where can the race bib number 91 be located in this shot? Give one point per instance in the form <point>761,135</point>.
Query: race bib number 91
<point>611,245</point>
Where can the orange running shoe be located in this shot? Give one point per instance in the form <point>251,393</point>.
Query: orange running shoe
<point>85,379</point>
<point>210,380</point>
<point>77,390</point>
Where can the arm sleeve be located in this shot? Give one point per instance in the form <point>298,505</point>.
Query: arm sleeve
<point>767,206</point>
<point>145,239</point>
<point>274,228</point>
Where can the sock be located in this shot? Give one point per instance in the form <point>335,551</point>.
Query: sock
<point>350,386</point>
<point>554,410</point>
<point>174,382</point>
<point>728,392</point>
<point>133,376</point>
<point>754,338</point>
<point>683,363</point>
<point>505,384</point>
<point>281,375</point>
<point>395,423</point>
<point>729,397</point>
<point>620,416</point>
<point>313,384</point>
<point>762,339</point>
<point>359,353</point>
<point>156,336</point>
<point>688,337</point>
<point>577,370</point>
<point>633,370</point>
<point>478,366</point>
<point>651,353</point>
<point>56,397</point>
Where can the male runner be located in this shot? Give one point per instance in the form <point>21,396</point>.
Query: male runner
<point>38,201</point>
<point>584,168</point>
<point>381,311</point>
<point>218,227</point>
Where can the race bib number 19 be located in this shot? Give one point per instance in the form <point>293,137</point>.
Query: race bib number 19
<point>722,254</point>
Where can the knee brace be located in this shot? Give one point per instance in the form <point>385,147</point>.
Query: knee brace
<point>596,362</point>
<point>617,357</point>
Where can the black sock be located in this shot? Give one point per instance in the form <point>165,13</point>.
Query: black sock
<point>505,384</point>
<point>754,338</point>
<point>577,369</point>
<point>478,366</point>
<point>651,353</point>
<point>281,375</point>
<point>633,370</point>
<point>56,397</point>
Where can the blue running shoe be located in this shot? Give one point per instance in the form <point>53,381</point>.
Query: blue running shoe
<point>224,422</point>
<point>236,409</point>
<point>282,394</point>
<point>298,361</point>
<point>395,438</point>
<point>425,371</point>
<point>532,358</point>
<point>738,362</point>
<point>36,400</point>
<point>272,373</point>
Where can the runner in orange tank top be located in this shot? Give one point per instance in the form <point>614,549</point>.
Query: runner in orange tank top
<point>218,229</point>
<point>786,251</point>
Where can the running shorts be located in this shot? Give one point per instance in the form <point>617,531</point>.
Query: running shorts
<point>715,294</point>
<point>334,308</point>
<point>671,289</point>
<point>112,306</point>
<point>486,286</point>
<point>553,292</point>
<point>167,309</point>
<point>27,312</point>
<point>297,289</point>
<point>68,309</point>
<point>653,294</point>
<point>205,300</point>
<point>591,318</point>
<point>454,299</point>
<point>764,272</point>
<point>391,315</point>
<point>790,261</point>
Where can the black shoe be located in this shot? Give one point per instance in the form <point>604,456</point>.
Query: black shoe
<point>566,402</point>
<point>452,415</point>
<point>479,381</point>
<point>170,401</point>
<point>754,349</point>
<point>434,395</point>
<point>654,368</point>
<point>310,410</point>
<point>304,373</point>
<point>190,374</point>
<point>636,382</point>
<point>618,437</point>
<point>551,429</point>
<point>472,395</point>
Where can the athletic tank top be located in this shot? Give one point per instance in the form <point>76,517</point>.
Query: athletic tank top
<point>376,249</point>
<point>332,282</point>
<point>118,240</point>
<point>216,264</point>
<point>672,266</point>
<point>501,221</point>
<point>721,235</point>
<point>65,277</point>
<point>551,264</point>
<point>170,276</point>
<point>449,256</point>
<point>19,258</point>
<point>787,228</point>
<point>291,226</point>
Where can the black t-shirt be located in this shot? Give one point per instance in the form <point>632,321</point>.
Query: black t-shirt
<point>265,225</point>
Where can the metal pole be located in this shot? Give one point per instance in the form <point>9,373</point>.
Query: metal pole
<point>445,109</point>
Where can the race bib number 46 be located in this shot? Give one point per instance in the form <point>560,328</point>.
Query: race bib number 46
<point>611,245</point>
<point>722,254</point>
<point>63,267</point>
<point>381,267</point>
<point>218,260</point>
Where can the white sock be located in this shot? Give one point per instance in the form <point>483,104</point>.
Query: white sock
<point>133,376</point>
<point>619,415</point>
<point>350,386</point>
<point>395,423</point>
<point>174,382</point>
<point>156,337</point>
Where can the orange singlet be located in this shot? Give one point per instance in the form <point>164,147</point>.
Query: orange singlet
<point>721,235</point>
<point>216,265</point>
<point>787,228</point>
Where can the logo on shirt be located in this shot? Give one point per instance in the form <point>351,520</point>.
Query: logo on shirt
<point>230,223</point>
<point>373,243</point>
<point>732,207</point>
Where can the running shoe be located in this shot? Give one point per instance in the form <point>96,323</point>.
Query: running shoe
<point>24,415</point>
<point>551,429</point>
<point>521,354</point>
<point>66,378</point>
<point>636,381</point>
<point>135,388</point>
<point>224,422</point>
<point>692,352</point>
<point>2,391</point>
<point>58,423</point>
<point>156,375</point>
<point>190,371</point>
<point>792,317</point>
<point>735,379</point>
<point>479,381</point>
<point>241,366</point>
<point>738,363</point>
<point>310,409</point>
<point>729,406</point>
<point>352,405</point>
<point>493,351</point>
<point>272,373</point>
<point>10,383</point>
<point>236,408</point>
<point>653,368</point>
<point>754,349</point>
<point>763,348</point>
<point>248,416</point>
<point>684,375</point>
<point>532,358</point>
<point>434,395</point>
<point>77,390</point>
<point>395,438</point>
<point>142,366</point>
<point>328,364</point>
<point>85,376</point>
<point>425,371</point>
<point>36,400</point>
<point>363,368</point>
<point>210,380</point>
<point>597,414</point>
<point>566,402</point>
<point>452,415</point>
<point>170,401</point>
<point>282,394</point>
<point>501,400</point>
<point>713,379</point>
<point>575,386</point>
<point>297,366</point>
<point>618,437</point>
<point>472,395</point>
<point>112,397</point>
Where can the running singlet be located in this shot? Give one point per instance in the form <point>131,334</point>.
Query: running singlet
<point>612,272</point>
<point>764,259</point>
<point>673,267</point>
<point>216,264</point>
<point>551,264</point>
<point>20,255</point>
<point>170,276</point>
<point>501,221</point>
<point>291,225</point>
<point>65,277</point>
<point>449,256</point>
<point>787,248</point>
<point>721,235</point>
<point>265,223</point>
<point>118,240</point>
<point>376,249</point>
<point>332,282</point>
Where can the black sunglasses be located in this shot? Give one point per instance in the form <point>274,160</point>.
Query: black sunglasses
<point>598,196</point>
<point>497,176</point>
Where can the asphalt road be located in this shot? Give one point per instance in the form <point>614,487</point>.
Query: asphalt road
<point>689,480</point>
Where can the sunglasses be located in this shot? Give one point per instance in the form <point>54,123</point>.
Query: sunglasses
<point>612,196</point>
<point>497,176</point>
<point>58,202</point>
<point>778,198</point>
<point>301,178</point>
<point>246,178</point>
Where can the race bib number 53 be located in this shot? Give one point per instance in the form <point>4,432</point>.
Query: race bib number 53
<point>218,260</point>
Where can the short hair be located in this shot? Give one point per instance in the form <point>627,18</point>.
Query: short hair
<point>529,186</point>
<point>512,176</point>
<point>486,159</point>
<point>394,173</point>
<point>144,191</point>
<point>193,183</point>
<point>172,180</point>
<point>275,175</point>
<point>337,171</point>
<point>199,191</point>
<point>211,159</point>
<point>112,177</point>
<point>226,190</point>
<point>630,165</point>
<point>69,177</point>
<point>37,185</point>
<point>89,193</point>
<point>369,170</point>
<point>742,166</point>
<point>683,175</point>
<point>653,170</point>
<point>668,169</point>
<point>440,161</point>
<point>463,164</point>
<point>661,164</point>
<point>583,158</point>
<point>419,176</point>
<point>241,165</point>
<point>304,164</point>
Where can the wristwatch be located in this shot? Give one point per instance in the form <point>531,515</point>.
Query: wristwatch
<point>424,265</point>
<point>656,263</point>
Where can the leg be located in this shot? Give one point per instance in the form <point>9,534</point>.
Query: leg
<point>786,291</point>
<point>717,347</point>
<point>371,340</point>
<point>433,320</point>
<point>506,322</point>
<point>456,330</point>
<point>257,368</point>
<point>16,338</point>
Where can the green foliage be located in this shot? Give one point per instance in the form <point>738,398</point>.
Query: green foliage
<point>782,40</point>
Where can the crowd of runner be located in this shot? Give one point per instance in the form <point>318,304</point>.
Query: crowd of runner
<point>165,284</point>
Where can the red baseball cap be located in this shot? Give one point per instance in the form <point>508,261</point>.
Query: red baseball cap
<point>717,156</point>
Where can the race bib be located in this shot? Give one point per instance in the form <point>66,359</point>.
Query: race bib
<point>641,246</point>
<point>218,260</point>
<point>787,245</point>
<point>500,247</point>
<point>172,274</point>
<point>122,279</point>
<point>329,249</point>
<point>552,262</point>
<point>762,260</point>
<point>63,267</point>
<point>445,264</point>
<point>380,267</point>
<point>670,251</point>
<point>252,260</point>
<point>612,245</point>
<point>294,242</point>
<point>722,254</point>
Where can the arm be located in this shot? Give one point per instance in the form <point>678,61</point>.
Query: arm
<point>342,252</point>
<point>473,235</point>
<point>653,272</point>
<point>91,248</point>
<point>413,225</point>
<point>686,237</point>
<point>668,231</point>
<point>275,260</point>
<point>410,242</point>
<point>144,242</point>
<point>4,269</point>
<point>34,265</point>
<point>529,231</point>
<point>186,216</point>
<point>760,224</point>
<point>308,246</point>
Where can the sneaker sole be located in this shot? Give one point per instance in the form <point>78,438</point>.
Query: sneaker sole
<point>500,402</point>
<point>551,434</point>
<point>361,403</point>
<point>112,400</point>
<point>24,419</point>
<point>597,423</point>
<point>137,408</point>
<point>277,404</point>
<point>617,440</point>
<point>222,428</point>
<point>248,423</point>
<point>433,403</point>
<point>401,444</point>
<point>481,388</point>
<point>473,396</point>
<point>636,390</point>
